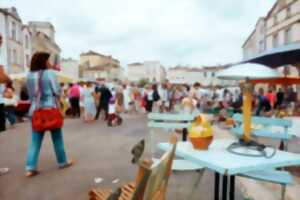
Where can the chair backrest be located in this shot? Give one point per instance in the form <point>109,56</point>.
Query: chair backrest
<point>152,181</point>
<point>265,121</point>
<point>275,128</point>
<point>170,121</point>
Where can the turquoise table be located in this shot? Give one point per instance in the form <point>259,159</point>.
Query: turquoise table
<point>219,160</point>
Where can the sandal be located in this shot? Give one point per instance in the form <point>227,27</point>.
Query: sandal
<point>32,173</point>
<point>68,164</point>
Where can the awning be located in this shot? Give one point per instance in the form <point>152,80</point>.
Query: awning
<point>278,81</point>
<point>18,76</point>
<point>61,77</point>
<point>247,71</point>
<point>280,56</point>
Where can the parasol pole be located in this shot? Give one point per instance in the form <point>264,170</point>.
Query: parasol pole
<point>247,89</point>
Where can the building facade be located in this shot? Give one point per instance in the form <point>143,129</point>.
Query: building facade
<point>206,76</point>
<point>256,42</point>
<point>70,68</point>
<point>43,39</point>
<point>136,72</point>
<point>12,52</point>
<point>94,65</point>
<point>151,71</point>
<point>281,26</point>
<point>27,46</point>
<point>21,41</point>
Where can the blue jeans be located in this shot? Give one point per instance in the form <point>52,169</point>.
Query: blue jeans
<point>35,146</point>
<point>10,112</point>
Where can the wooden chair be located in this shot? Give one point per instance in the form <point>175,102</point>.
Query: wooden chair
<point>151,182</point>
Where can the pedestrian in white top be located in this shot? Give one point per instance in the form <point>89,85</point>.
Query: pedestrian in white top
<point>127,97</point>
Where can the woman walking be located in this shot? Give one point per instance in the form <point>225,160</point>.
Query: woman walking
<point>43,89</point>
<point>89,103</point>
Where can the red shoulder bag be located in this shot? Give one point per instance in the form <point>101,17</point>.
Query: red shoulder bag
<point>46,119</point>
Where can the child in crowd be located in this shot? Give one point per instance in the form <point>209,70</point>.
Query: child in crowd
<point>188,105</point>
<point>113,118</point>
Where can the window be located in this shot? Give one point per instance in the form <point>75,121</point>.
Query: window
<point>27,60</point>
<point>14,31</point>
<point>288,36</point>
<point>213,74</point>
<point>275,40</point>
<point>261,46</point>
<point>262,30</point>
<point>15,57</point>
<point>275,20</point>
<point>26,42</point>
<point>205,74</point>
<point>288,12</point>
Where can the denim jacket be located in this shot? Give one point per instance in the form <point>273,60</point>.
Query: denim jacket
<point>49,92</point>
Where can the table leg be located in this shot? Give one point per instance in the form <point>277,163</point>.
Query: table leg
<point>224,187</point>
<point>184,134</point>
<point>217,185</point>
<point>232,188</point>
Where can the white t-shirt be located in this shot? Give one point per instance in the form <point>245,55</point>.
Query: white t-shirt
<point>10,101</point>
<point>150,95</point>
<point>163,93</point>
<point>111,108</point>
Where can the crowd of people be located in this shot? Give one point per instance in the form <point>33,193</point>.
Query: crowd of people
<point>92,100</point>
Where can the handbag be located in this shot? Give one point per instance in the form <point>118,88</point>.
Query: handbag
<point>46,119</point>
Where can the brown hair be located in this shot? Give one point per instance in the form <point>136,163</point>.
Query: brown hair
<point>39,61</point>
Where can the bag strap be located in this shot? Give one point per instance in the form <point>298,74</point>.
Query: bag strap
<point>40,90</point>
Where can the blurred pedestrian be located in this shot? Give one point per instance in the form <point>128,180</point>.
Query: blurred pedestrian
<point>279,98</point>
<point>264,107</point>
<point>127,98</point>
<point>23,104</point>
<point>3,80</point>
<point>74,97</point>
<point>88,95</point>
<point>104,96</point>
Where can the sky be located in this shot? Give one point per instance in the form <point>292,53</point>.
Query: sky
<point>175,32</point>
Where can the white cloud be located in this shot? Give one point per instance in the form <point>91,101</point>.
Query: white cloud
<point>172,31</point>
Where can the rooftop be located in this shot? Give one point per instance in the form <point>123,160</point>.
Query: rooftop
<point>11,12</point>
<point>43,24</point>
<point>94,53</point>
<point>199,69</point>
<point>46,37</point>
<point>101,67</point>
<point>135,64</point>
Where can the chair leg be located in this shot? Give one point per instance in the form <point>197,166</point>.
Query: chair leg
<point>196,184</point>
<point>283,191</point>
